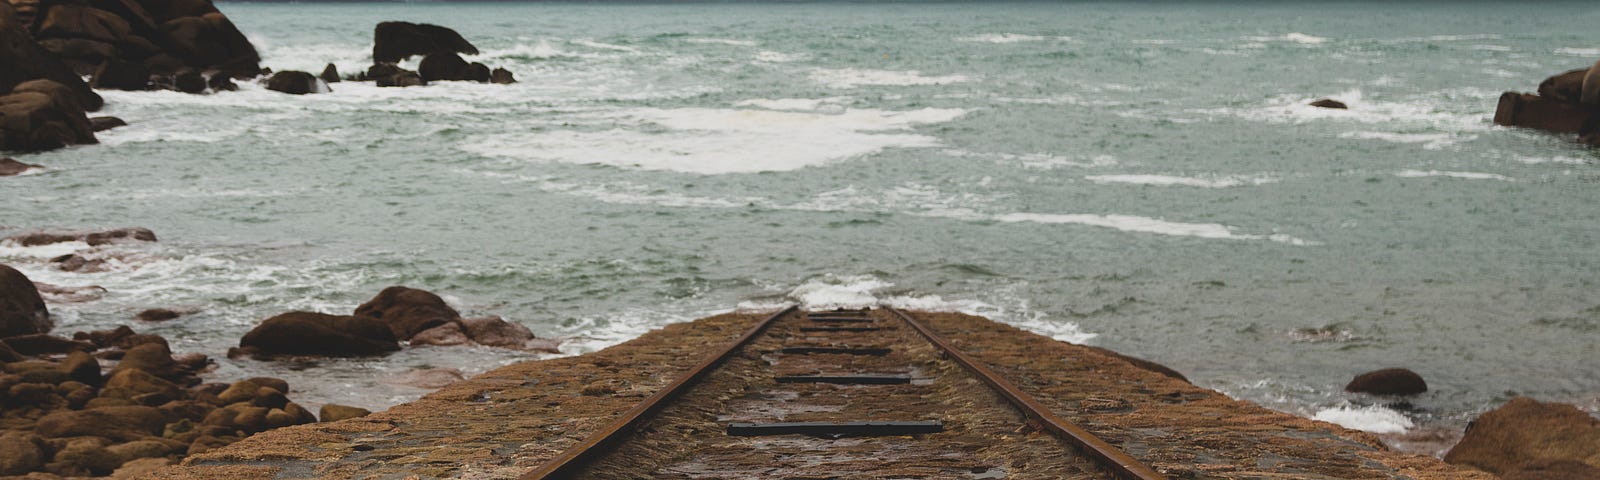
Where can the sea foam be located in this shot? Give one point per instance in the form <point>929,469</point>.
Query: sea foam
<point>1372,418</point>
<point>1212,181</point>
<point>852,78</point>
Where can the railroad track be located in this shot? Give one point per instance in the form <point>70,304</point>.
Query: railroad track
<point>841,394</point>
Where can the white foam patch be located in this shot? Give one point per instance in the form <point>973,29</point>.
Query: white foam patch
<point>1373,418</point>
<point>604,46</point>
<point>13,250</point>
<point>1043,161</point>
<point>718,141</point>
<point>1466,175</point>
<point>770,56</point>
<point>721,41</point>
<point>1131,223</point>
<point>1422,113</point>
<point>1563,160</point>
<point>852,78</point>
<point>1007,38</point>
<point>1213,181</point>
<point>1292,37</point>
<point>1491,48</point>
<point>1430,141</point>
<point>1581,52</point>
<point>802,104</point>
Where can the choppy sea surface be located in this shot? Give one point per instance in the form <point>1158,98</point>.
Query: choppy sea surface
<point>1146,177</point>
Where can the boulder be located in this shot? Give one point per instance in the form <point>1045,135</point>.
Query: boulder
<point>210,41</point>
<point>84,457</point>
<point>396,41</point>
<point>22,310</point>
<point>189,81</point>
<point>306,333</point>
<point>293,82</point>
<point>330,74</point>
<point>8,355</point>
<point>22,59</point>
<point>407,311</point>
<point>101,124</point>
<point>449,334</point>
<point>333,413</point>
<point>221,83</point>
<point>495,332</point>
<point>116,423</point>
<point>44,344</point>
<point>478,72</point>
<point>1566,87</point>
<point>391,75</point>
<point>20,453</point>
<point>115,74</point>
<point>1553,470</point>
<point>1525,430</point>
<point>140,468</point>
<point>92,238</point>
<point>82,367</point>
<point>1388,381</point>
<point>43,115</point>
<point>1330,103</point>
<point>1533,111</point>
<point>9,167</point>
<point>502,76</point>
<point>278,384</point>
<point>140,387</point>
<point>155,358</point>
<point>157,315</point>
<point>444,66</point>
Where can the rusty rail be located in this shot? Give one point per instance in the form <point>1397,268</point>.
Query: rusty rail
<point>1120,464</point>
<point>572,460</point>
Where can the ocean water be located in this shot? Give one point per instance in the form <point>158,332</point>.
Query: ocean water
<point>1142,176</point>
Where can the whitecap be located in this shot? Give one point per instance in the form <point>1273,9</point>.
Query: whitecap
<point>1430,141</point>
<point>718,141</point>
<point>1556,159</point>
<point>721,41</point>
<point>604,46</point>
<point>1132,223</point>
<point>770,56</point>
<point>1581,52</point>
<point>1005,38</point>
<point>1212,181</point>
<point>1294,37</point>
<point>803,104</point>
<point>1491,48</point>
<point>1373,418</point>
<point>852,77</point>
<point>1439,173</point>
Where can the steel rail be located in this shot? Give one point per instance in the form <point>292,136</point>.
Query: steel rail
<point>569,462</point>
<point>1120,464</point>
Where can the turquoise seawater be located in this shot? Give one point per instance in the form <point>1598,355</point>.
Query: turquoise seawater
<point>1141,176</point>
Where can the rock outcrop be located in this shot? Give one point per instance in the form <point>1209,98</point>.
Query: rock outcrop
<point>1526,434</point>
<point>1388,381</point>
<point>307,333</point>
<point>440,48</point>
<point>22,310</point>
<point>162,37</point>
<point>396,41</point>
<point>10,166</point>
<point>1330,103</point>
<point>407,311</point>
<point>1559,107</point>
<point>43,114</point>
<point>296,83</point>
<point>22,59</point>
<point>93,238</point>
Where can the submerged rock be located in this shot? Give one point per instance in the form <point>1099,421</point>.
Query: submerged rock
<point>1525,431</point>
<point>306,333</point>
<point>10,166</point>
<point>1388,381</point>
<point>1330,103</point>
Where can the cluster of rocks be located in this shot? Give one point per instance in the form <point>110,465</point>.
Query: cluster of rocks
<point>43,103</point>
<point>377,327</point>
<point>440,48</point>
<point>1566,103</point>
<point>117,401</point>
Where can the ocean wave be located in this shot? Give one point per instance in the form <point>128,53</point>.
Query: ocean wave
<point>604,46</point>
<point>1371,418</point>
<point>1580,52</point>
<point>852,78</point>
<point>1466,175</point>
<point>1042,161</point>
<point>1430,141</point>
<point>1007,38</point>
<point>801,104</point>
<point>1132,223</point>
<point>1212,181</point>
<point>721,41</point>
<point>1292,37</point>
<point>770,56</point>
<point>719,141</point>
<point>1416,113</point>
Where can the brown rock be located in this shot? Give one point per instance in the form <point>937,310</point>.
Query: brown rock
<point>119,235</point>
<point>221,83</point>
<point>391,75</point>
<point>105,338</point>
<point>478,72</point>
<point>210,41</point>
<point>449,334</point>
<point>502,76</point>
<point>141,387</point>
<point>1566,87</point>
<point>443,66</point>
<point>407,311</point>
<point>157,315</point>
<point>9,355</point>
<point>207,443</point>
<point>330,74</point>
<point>139,449</point>
<point>22,310</point>
<point>270,398</point>
<point>116,423</point>
<point>300,414</point>
<point>239,416</point>
<point>495,332</point>
<point>179,411</point>
<point>278,384</point>
<point>20,453</point>
<point>189,81</point>
<point>22,59</point>
<point>140,468</point>
<point>1554,470</point>
<point>305,333</point>
<point>396,41</point>
<point>293,82</point>
<point>1532,111</point>
<point>1330,103</point>
<point>1525,430</point>
<point>86,456</point>
<point>240,391</point>
<point>10,167</point>
<point>44,343</point>
<point>43,115</point>
<point>116,74</point>
<point>154,358</point>
<point>101,124</point>
<point>1388,381</point>
<point>333,413</point>
<point>82,367</point>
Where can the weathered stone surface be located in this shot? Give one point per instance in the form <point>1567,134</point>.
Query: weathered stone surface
<point>1330,103</point>
<point>115,74</point>
<point>306,333</point>
<point>496,332</point>
<point>10,166</point>
<point>189,81</point>
<point>293,82</point>
<point>140,387</point>
<point>443,66</point>
<point>333,412</point>
<point>1565,87</point>
<point>43,115</point>
<point>391,75</point>
<point>22,59</point>
<point>330,74</point>
<point>1388,381</point>
<point>449,334</point>
<point>1553,470</point>
<point>157,315</point>
<point>20,453</point>
<point>44,343</point>
<point>1525,430</point>
<point>116,423</point>
<point>1532,111</point>
<point>22,310</point>
<point>100,124</point>
<point>396,41</point>
<point>502,76</point>
<point>408,311</point>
